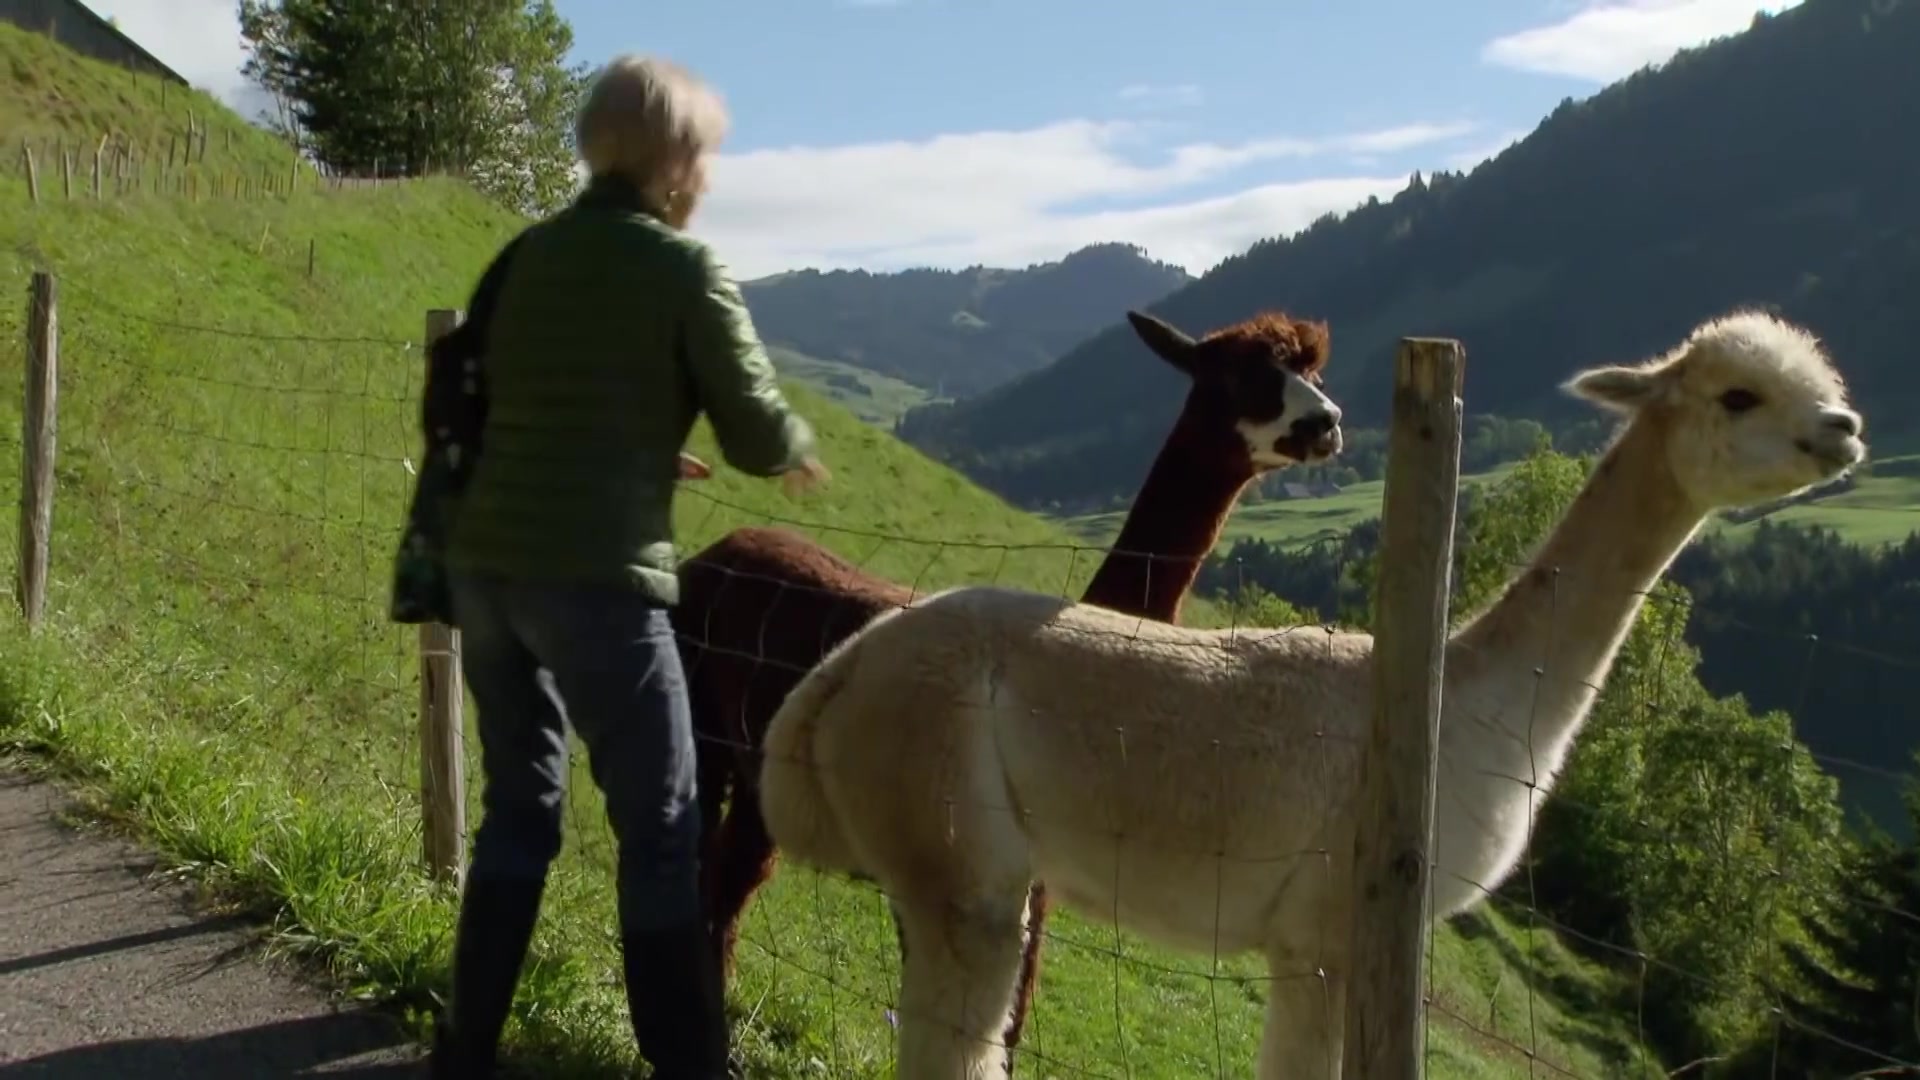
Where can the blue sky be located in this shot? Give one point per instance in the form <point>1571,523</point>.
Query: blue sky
<point>890,133</point>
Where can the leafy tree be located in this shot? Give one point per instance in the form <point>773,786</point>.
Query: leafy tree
<point>405,85</point>
<point>1254,606</point>
<point>1689,827</point>
<point>1684,828</point>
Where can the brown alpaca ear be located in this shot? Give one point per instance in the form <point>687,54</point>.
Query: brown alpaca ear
<point>1167,343</point>
<point>1617,388</point>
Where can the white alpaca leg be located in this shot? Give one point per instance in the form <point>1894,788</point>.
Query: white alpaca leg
<point>1305,1021</point>
<point>956,988</point>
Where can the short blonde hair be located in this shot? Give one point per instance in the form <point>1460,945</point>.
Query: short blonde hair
<point>644,117</point>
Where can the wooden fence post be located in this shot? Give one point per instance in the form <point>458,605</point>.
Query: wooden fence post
<point>1393,838</point>
<point>443,786</point>
<point>33,173</point>
<point>36,447</point>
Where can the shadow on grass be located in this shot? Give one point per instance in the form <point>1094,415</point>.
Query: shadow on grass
<point>1573,996</point>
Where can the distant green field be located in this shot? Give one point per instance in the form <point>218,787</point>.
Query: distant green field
<point>1290,521</point>
<point>1883,509</point>
<point>873,397</point>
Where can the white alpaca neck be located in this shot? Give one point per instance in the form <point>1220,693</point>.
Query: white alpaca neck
<point>1521,677</point>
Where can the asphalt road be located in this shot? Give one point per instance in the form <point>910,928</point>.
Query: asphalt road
<point>108,972</point>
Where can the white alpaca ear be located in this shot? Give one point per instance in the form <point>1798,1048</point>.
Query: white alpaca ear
<point>1167,343</point>
<point>1621,389</point>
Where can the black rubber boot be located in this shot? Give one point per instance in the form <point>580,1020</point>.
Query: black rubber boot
<point>496,926</point>
<point>677,1002</point>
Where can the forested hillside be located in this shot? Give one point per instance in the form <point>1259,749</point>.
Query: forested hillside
<point>1778,166</point>
<point>955,333</point>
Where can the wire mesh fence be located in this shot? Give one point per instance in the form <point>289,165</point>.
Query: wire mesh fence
<point>228,500</point>
<point>174,163</point>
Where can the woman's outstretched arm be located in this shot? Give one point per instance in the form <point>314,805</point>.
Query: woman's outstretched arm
<point>758,430</point>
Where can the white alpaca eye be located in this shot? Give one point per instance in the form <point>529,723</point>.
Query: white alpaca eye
<point>1739,400</point>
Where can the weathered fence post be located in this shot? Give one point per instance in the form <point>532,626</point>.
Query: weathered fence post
<point>1393,839</point>
<point>443,786</point>
<point>33,172</point>
<point>36,447</point>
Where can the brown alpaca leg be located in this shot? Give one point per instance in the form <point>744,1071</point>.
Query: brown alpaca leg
<point>1029,965</point>
<point>744,862</point>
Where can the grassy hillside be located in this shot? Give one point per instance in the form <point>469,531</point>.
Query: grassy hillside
<point>875,398</point>
<point>234,433</point>
<point>1718,179</point>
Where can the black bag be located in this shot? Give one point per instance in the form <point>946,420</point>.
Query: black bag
<point>453,414</point>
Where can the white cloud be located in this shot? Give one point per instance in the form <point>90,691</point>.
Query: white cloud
<point>1195,235</point>
<point>1147,95</point>
<point>200,39</point>
<point>1014,197</point>
<point>1396,139</point>
<point>1611,39</point>
<point>1001,198</point>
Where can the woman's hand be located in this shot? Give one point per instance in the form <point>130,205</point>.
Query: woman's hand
<point>810,473</point>
<point>692,468</point>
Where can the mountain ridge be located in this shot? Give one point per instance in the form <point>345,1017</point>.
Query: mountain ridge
<point>955,333</point>
<point>1717,180</point>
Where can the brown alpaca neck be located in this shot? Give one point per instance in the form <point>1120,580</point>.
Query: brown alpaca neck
<point>1171,529</point>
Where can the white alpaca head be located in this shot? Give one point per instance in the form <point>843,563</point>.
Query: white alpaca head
<point>1749,406</point>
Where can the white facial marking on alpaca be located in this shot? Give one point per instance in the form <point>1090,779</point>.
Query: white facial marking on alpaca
<point>1304,403</point>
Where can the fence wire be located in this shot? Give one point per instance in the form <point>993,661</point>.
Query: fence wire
<point>228,504</point>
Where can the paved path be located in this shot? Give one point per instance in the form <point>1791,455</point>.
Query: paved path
<point>105,973</point>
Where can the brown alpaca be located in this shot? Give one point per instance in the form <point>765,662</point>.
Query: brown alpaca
<point>761,606</point>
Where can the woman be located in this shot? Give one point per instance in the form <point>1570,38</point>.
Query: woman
<point>602,332</point>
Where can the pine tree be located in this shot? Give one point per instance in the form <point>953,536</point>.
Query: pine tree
<point>1858,1005</point>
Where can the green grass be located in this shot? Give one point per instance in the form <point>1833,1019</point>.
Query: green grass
<point>873,397</point>
<point>217,671</point>
<point>1286,521</point>
<point>1880,510</point>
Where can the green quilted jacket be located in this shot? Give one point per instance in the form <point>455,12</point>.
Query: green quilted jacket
<point>610,333</point>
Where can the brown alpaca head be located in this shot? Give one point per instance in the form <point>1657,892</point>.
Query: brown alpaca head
<point>1255,400</point>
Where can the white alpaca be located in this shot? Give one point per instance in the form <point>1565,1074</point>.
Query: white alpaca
<point>1198,786</point>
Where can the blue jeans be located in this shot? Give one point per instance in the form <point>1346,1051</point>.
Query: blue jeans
<point>538,657</point>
